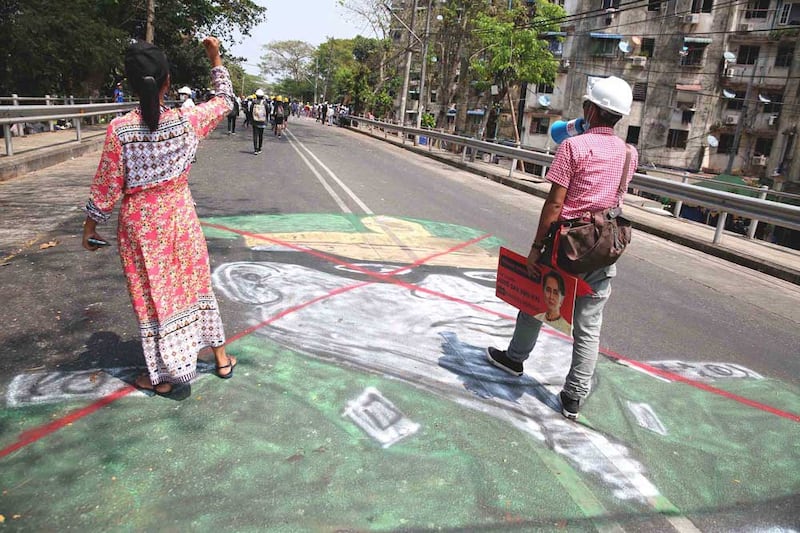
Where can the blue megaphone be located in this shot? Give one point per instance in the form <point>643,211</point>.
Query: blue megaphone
<point>561,129</point>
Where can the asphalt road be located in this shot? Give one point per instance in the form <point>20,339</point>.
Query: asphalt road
<point>273,447</point>
<point>669,302</point>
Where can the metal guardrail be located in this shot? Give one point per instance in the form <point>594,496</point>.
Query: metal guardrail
<point>15,114</point>
<point>756,209</point>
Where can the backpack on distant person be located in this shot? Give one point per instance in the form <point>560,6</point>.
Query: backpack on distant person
<point>259,111</point>
<point>279,111</point>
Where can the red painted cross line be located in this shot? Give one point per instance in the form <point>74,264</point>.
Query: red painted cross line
<point>33,435</point>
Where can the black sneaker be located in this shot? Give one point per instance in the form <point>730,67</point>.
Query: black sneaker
<point>500,359</point>
<point>569,407</point>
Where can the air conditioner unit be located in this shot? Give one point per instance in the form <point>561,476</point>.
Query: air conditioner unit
<point>773,120</point>
<point>730,72</point>
<point>759,160</point>
<point>692,18</point>
<point>732,119</point>
<point>639,61</point>
<point>744,27</point>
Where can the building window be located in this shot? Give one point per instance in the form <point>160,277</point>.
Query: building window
<point>639,91</point>
<point>702,6</point>
<point>540,125</point>
<point>648,47</point>
<point>556,46</point>
<point>785,54</point>
<point>633,135</point>
<point>610,4</point>
<point>604,47</point>
<point>737,102</point>
<point>686,116</point>
<point>693,55</point>
<point>763,146</point>
<point>543,88</point>
<point>757,9</point>
<point>725,143</point>
<point>789,14</point>
<point>677,138</point>
<point>775,102</point>
<point>748,55</point>
<point>654,5</point>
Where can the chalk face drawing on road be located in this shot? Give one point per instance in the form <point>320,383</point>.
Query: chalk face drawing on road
<point>700,371</point>
<point>379,418</point>
<point>80,385</point>
<point>54,387</point>
<point>415,334</point>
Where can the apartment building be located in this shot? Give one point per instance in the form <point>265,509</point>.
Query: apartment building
<point>716,87</point>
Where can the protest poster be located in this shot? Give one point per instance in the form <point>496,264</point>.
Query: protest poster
<point>549,295</point>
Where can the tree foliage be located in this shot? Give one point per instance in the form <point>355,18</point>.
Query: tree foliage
<point>512,52</point>
<point>286,59</point>
<point>77,46</point>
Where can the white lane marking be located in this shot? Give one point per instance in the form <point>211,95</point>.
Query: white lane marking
<point>336,197</point>
<point>682,524</point>
<point>333,176</point>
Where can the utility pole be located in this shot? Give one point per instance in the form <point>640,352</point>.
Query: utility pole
<point>407,75</point>
<point>423,73</point>
<point>737,136</point>
<point>151,18</point>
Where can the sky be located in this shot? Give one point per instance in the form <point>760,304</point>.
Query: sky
<point>312,21</point>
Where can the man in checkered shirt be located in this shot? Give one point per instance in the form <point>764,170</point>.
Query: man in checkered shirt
<point>585,177</point>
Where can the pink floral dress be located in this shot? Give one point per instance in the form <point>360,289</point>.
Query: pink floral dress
<point>161,244</point>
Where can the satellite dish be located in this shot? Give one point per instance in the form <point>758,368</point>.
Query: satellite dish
<point>636,40</point>
<point>764,99</point>
<point>729,56</point>
<point>544,101</point>
<point>625,46</point>
<point>713,142</point>
<point>728,94</point>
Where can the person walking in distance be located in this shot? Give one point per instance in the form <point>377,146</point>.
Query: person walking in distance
<point>279,115</point>
<point>232,116</point>
<point>258,113</point>
<point>585,177</point>
<point>146,161</point>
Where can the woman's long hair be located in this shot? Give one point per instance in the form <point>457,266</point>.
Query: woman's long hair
<point>149,101</point>
<point>147,69</point>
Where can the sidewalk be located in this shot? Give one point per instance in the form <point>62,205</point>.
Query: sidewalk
<point>777,261</point>
<point>40,150</point>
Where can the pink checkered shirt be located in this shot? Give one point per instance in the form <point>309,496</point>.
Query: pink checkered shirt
<point>589,167</point>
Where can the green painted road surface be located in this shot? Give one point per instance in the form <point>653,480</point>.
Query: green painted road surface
<point>362,401</point>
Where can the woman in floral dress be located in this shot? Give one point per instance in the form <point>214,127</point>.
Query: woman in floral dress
<point>146,161</point>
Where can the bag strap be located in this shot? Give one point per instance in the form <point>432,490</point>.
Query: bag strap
<point>625,169</point>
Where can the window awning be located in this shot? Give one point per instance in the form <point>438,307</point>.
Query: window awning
<point>691,88</point>
<point>553,34</point>
<point>697,40</point>
<point>478,112</point>
<point>600,35</point>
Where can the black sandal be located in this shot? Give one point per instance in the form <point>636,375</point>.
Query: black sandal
<point>151,387</point>
<point>231,365</point>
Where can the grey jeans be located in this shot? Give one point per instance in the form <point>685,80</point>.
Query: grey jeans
<point>586,323</point>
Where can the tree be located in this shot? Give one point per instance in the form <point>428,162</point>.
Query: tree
<point>76,46</point>
<point>286,59</point>
<point>512,50</point>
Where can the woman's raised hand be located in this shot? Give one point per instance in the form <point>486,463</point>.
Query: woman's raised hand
<point>211,44</point>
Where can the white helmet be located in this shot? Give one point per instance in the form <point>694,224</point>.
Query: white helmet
<point>612,94</point>
<point>259,93</point>
<point>184,90</point>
